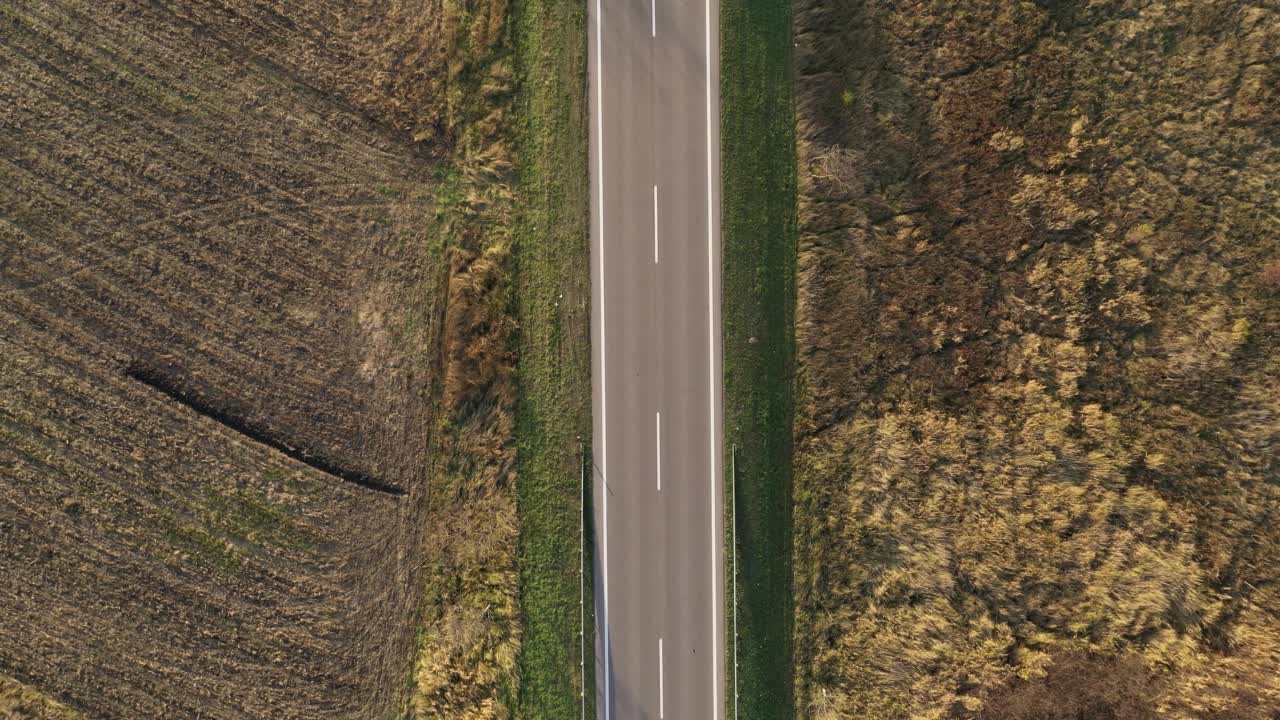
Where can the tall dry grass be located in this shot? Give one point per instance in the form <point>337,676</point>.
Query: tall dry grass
<point>1037,357</point>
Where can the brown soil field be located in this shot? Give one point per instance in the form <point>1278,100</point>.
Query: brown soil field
<point>252,343</point>
<point>1038,420</point>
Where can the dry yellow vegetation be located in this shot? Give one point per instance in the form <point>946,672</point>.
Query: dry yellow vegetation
<point>1039,408</point>
<point>21,702</point>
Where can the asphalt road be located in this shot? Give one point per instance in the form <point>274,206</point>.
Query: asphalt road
<point>654,80</point>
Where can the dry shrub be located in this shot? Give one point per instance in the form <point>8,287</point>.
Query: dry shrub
<point>467,662</point>
<point>1080,687</point>
<point>471,643</point>
<point>1248,707</point>
<point>1270,276</point>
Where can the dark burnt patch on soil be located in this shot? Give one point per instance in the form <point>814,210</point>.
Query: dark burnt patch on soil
<point>164,382</point>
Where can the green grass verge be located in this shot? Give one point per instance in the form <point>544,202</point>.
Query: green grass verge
<point>554,310</point>
<point>759,248</point>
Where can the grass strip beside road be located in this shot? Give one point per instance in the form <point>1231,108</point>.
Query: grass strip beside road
<point>759,254</point>
<point>553,298</point>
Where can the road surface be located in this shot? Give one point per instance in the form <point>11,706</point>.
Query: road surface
<point>654,94</point>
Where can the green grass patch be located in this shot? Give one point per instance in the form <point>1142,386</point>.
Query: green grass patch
<point>202,546</point>
<point>247,517</point>
<point>759,249</point>
<point>235,525</point>
<point>552,254</point>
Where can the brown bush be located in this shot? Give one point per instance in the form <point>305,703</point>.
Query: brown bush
<point>1271,275</point>
<point>1080,687</point>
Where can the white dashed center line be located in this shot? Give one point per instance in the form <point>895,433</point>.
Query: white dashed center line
<point>655,224</point>
<point>661,700</point>
<point>657,421</point>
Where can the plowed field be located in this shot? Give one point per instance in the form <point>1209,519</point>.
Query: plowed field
<point>223,267</point>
